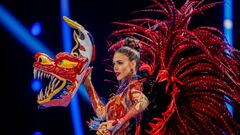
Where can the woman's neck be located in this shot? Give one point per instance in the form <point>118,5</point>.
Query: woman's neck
<point>127,78</point>
<point>124,83</point>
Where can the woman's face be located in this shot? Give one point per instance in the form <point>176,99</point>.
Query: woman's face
<point>122,66</point>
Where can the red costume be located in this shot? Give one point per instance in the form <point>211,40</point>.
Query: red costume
<point>127,103</point>
<point>188,76</point>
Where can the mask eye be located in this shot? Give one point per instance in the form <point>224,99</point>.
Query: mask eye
<point>81,35</point>
<point>40,59</point>
<point>67,64</point>
<point>44,60</point>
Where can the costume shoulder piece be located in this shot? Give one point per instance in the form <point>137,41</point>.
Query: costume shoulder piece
<point>191,73</point>
<point>137,85</point>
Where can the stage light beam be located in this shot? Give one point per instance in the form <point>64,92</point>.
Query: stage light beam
<point>67,45</point>
<point>13,26</point>
<point>228,26</point>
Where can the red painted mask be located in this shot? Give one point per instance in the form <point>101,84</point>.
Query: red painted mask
<point>63,75</point>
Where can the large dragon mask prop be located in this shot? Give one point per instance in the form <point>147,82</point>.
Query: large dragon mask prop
<point>63,75</point>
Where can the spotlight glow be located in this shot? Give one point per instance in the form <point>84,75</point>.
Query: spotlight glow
<point>36,85</point>
<point>36,28</point>
<point>37,133</point>
<point>228,24</point>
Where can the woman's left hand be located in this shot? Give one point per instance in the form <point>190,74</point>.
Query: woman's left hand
<point>116,125</point>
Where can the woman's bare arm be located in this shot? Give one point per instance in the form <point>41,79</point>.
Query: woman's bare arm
<point>97,104</point>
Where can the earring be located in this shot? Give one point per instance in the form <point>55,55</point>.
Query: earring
<point>132,72</point>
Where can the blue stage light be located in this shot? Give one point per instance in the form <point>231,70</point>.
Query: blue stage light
<point>227,22</point>
<point>228,27</point>
<point>67,46</point>
<point>76,116</point>
<point>36,85</point>
<point>66,31</point>
<point>36,28</point>
<point>83,93</point>
<point>37,133</point>
<point>14,27</point>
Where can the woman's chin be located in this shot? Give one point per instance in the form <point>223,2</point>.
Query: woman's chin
<point>119,78</point>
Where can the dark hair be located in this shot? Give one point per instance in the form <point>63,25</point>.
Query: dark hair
<point>131,49</point>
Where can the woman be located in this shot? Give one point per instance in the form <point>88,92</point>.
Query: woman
<point>128,103</point>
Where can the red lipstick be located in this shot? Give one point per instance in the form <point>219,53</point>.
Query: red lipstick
<point>117,74</point>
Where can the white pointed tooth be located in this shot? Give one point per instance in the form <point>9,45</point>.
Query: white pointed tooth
<point>44,75</point>
<point>34,73</point>
<point>51,77</point>
<point>50,83</point>
<point>52,88</point>
<point>41,74</point>
<point>54,81</point>
<point>56,84</point>
<point>41,94</point>
<point>38,74</point>
<point>46,92</point>
<point>38,97</point>
<point>49,87</point>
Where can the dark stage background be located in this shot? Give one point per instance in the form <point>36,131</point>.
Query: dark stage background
<point>20,113</point>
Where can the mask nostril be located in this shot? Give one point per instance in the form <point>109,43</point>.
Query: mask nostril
<point>81,35</point>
